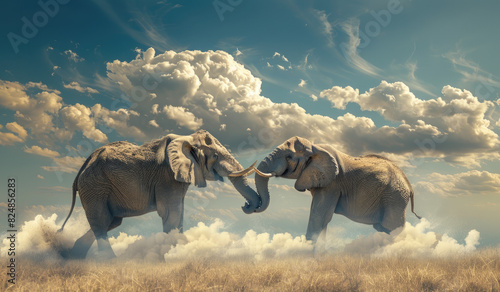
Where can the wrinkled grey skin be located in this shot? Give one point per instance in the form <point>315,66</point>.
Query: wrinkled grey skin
<point>122,179</point>
<point>369,189</point>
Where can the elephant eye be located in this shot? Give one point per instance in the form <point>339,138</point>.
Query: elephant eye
<point>215,156</point>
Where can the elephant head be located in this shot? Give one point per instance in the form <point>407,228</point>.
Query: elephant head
<point>200,157</point>
<point>299,159</point>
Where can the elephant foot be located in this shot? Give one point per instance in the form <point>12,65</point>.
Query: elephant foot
<point>105,252</point>
<point>65,254</point>
<point>77,253</point>
<point>104,256</point>
<point>319,251</point>
<point>82,246</point>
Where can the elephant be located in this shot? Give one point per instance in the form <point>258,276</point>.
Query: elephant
<point>368,189</point>
<point>122,179</point>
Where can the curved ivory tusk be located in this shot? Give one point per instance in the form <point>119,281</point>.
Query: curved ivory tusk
<point>247,171</point>
<point>263,174</point>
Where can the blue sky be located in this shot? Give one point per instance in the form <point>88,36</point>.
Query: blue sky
<point>417,81</point>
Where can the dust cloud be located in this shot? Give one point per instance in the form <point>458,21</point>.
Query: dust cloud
<point>39,239</point>
<point>413,241</point>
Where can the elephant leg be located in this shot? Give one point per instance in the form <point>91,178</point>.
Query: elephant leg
<point>104,248</point>
<point>322,208</point>
<point>172,213</point>
<point>100,220</point>
<point>82,245</point>
<point>117,221</point>
<point>180,226</point>
<point>393,218</point>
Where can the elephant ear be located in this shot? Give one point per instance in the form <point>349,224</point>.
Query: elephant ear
<point>185,160</point>
<point>320,172</point>
<point>162,147</point>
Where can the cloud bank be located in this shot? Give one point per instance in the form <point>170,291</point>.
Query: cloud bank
<point>455,127</point>
<point>184,91</point>
<point>472,182</point>
<point>212,89</point>
<point>38,239</point>
<point>414,241</point>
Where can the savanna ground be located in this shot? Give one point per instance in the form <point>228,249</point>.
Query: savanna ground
<point>479,271</point>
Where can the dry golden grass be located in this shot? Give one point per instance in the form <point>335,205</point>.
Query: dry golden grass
<point>477,272</point>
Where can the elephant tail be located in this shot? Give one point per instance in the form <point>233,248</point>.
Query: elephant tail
<point>75,188</point>
<point>412,204</point>
<point>72,204</point>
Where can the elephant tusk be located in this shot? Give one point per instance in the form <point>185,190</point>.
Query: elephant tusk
<point>263,174</point>
<point>247,171</point>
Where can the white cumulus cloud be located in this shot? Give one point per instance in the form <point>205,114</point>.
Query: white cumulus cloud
<point>46,152</point>
<point>472,182</point>
<point>183,117</point>
<point>67,164</point>
<point>188,90</point>
<point>73,56</point>
<point>455,126</point>
<point>78,117</point>
<point>35,107</point>
<point>12,138</point>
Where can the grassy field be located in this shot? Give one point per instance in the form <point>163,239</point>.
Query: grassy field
<point>477,272</point>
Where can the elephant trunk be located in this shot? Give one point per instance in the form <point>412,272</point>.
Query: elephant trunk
<point>253,200</point>
<point>276,164</point>
<point>229,166</point>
